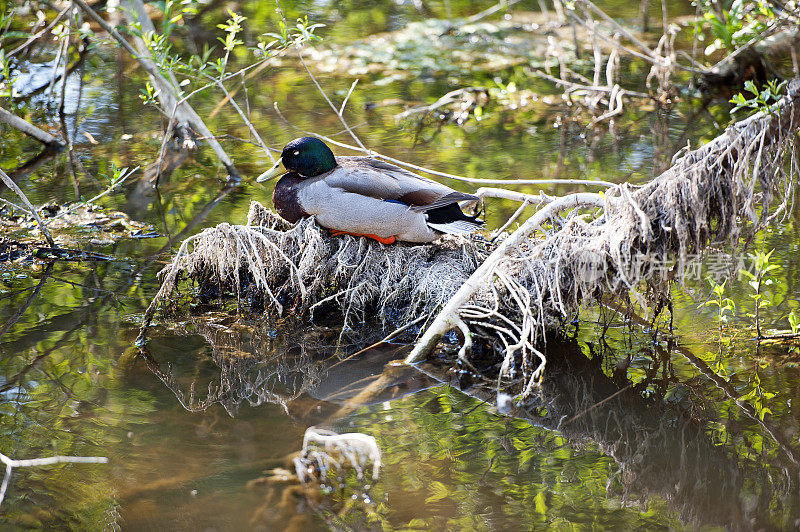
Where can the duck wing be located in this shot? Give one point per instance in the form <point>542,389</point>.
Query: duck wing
<point>378,179</point>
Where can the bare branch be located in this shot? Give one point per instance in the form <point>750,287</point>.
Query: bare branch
<point>29,129</point>
<point>167,92</point>
<point>35,462</point>
<point>13,186</point>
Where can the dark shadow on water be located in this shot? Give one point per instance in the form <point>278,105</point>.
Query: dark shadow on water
<point>304,371</point>
<point>663,448</point>
<point>31,165</point>
<point>173,155</point>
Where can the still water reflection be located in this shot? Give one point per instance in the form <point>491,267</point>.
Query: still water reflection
<point>631,429</point>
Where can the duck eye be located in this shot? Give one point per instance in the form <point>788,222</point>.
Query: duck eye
<point>296,152</point>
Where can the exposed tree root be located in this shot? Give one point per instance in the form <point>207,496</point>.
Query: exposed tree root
<point>536,277</point>
<point>302,268</point>
<point>707,197</point>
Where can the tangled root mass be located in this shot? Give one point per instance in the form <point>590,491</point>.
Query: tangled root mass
<point>738,182</point>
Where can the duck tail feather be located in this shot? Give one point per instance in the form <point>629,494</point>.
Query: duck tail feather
<point>458,227</point>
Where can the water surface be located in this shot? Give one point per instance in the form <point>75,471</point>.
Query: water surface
<point>632,429</point>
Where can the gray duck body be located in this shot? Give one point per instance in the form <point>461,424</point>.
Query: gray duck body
<point>366,196</point>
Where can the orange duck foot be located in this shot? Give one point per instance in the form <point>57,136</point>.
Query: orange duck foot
<point>387,240</point>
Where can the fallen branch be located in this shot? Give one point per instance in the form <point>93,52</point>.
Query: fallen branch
<point>181,110</point>
<point>42,227</point>
<point>29,129</point>
<point>448,316</point>
<point>697,201</point>
<point>36,462</point>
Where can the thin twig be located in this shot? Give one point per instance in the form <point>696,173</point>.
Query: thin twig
<point>109,190</point>
<point>247,122</point>
<point>599,403</point>
<point>39,34</point>
<point>621,29</point>
<point>13,186</point>
<point>385,339</point>
<point>319,87</point>
<point>56,63</point>
<point>372,153</point>
<point>597,88</point>
<point>511,220</point>
<point>344,102</point>
<point>31,298</point>
<point>768,31</point>
<point>12,205</point>
<point>34,462</point>
<point>503,4</point>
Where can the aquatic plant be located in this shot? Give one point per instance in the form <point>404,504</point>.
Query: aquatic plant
<point>732,23</point>
<point>725,306</point>
<point>762,100</point>
<point>757,280</point>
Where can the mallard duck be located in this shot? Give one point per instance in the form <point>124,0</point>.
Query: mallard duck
<point>363,196</point>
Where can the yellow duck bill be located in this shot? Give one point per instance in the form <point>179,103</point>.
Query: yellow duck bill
<point>271,173</point>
